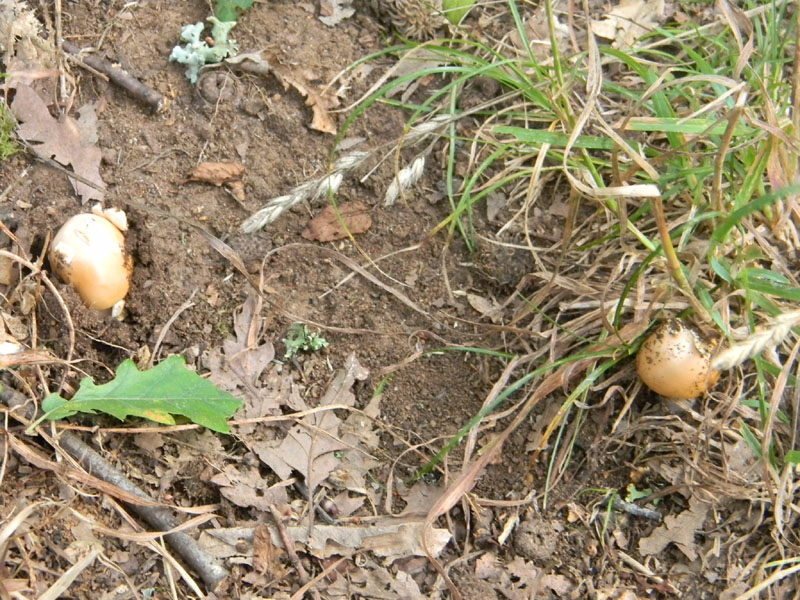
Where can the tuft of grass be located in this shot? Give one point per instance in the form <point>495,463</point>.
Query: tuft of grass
<point>676,160</point>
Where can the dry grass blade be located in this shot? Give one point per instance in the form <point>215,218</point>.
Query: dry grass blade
<point>469,476</point>
<point>18,519</point>
<point>40,461</point>
<point>64,582</point>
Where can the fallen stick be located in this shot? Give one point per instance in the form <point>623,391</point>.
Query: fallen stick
<point>120,77</point>
<point>161,518</point>
<point>288,545</point>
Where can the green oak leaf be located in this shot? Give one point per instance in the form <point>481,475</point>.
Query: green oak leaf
<point>226,9</point>
<point>169,388</point>
<point>456,10</point>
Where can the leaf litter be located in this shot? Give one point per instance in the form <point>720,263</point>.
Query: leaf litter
<point>65,140</point>
<point>322,449</point>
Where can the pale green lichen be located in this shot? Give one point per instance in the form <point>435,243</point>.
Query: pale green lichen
<point>196,52</point>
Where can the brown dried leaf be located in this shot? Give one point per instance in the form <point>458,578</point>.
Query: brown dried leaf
<point>388,538</point>
<point>629,21</point>
<point>238,367</point>
<point>320,104</point>
<point>266,555</point>
<point>27,55</point>
<point>310,446</point>
<point>247,488</point>
<point>405,587</point>
<point>59,139</point>
<point>329,226</point>
<point>357,432</point>
<point>216,173</point>
<point>334,11</point>
<point>678,529</point>
<point>487,308</point>
<point>321,119</point>
<point>237,189</point>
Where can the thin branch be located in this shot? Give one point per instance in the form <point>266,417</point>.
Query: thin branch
<point>120,77</point>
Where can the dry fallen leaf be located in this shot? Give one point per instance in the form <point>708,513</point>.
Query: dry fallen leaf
<point>59,139</point>
<point>334,11</point>
<point>678,529</point>
<point>320,104</point>
<point>629,21</point>
<point>388,538</point>
<point>266,555</point>
<point>216,173</point>
<point>328,227</point>
<point>487,308</point>
<point>247,488</point>
<point>238,367</point>
<point>26,54</point>
<point>310,447</point>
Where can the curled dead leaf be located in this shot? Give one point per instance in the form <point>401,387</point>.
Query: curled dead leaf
<point>329,226</point>
<point>216,173</point>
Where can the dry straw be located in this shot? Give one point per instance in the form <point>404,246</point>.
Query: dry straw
<point>769,337</point>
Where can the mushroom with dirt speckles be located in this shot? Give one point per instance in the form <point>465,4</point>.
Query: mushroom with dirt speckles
<point>89,253</point>
<point>675,361</point>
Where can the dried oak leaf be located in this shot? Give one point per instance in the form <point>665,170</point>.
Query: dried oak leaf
<point>216,173</point>
<point>59,139</point>
<point>238,366</point>
<point>329,226</point>
<point>678,529</point>
<point>320,104</point>
<point>244,486</point>
<point>388,538</point>
<point>312,446</point>
<point>266,555</point>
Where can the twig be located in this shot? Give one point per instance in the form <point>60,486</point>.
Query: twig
<point>631,508</point>
<point>639,567</point>
<point>289,547</point>
<point>163,333</point>
<point>159,517</point>
<point>120,77</point>
<point>211,572</point>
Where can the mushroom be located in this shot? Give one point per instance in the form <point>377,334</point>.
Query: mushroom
<point>675,361</point>
<point>88,252</point>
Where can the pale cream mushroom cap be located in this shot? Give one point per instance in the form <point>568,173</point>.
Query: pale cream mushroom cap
<point>675,362</point>
<point>88,252</point>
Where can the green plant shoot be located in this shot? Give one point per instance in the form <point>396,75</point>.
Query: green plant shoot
<point>456,10</point>
<point>300,339</point>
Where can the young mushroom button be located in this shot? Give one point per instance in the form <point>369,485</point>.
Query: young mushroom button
<point>88,252</point>
<point>675,361</point>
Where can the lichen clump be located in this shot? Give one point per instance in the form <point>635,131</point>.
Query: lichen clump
<point>196,52</point>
